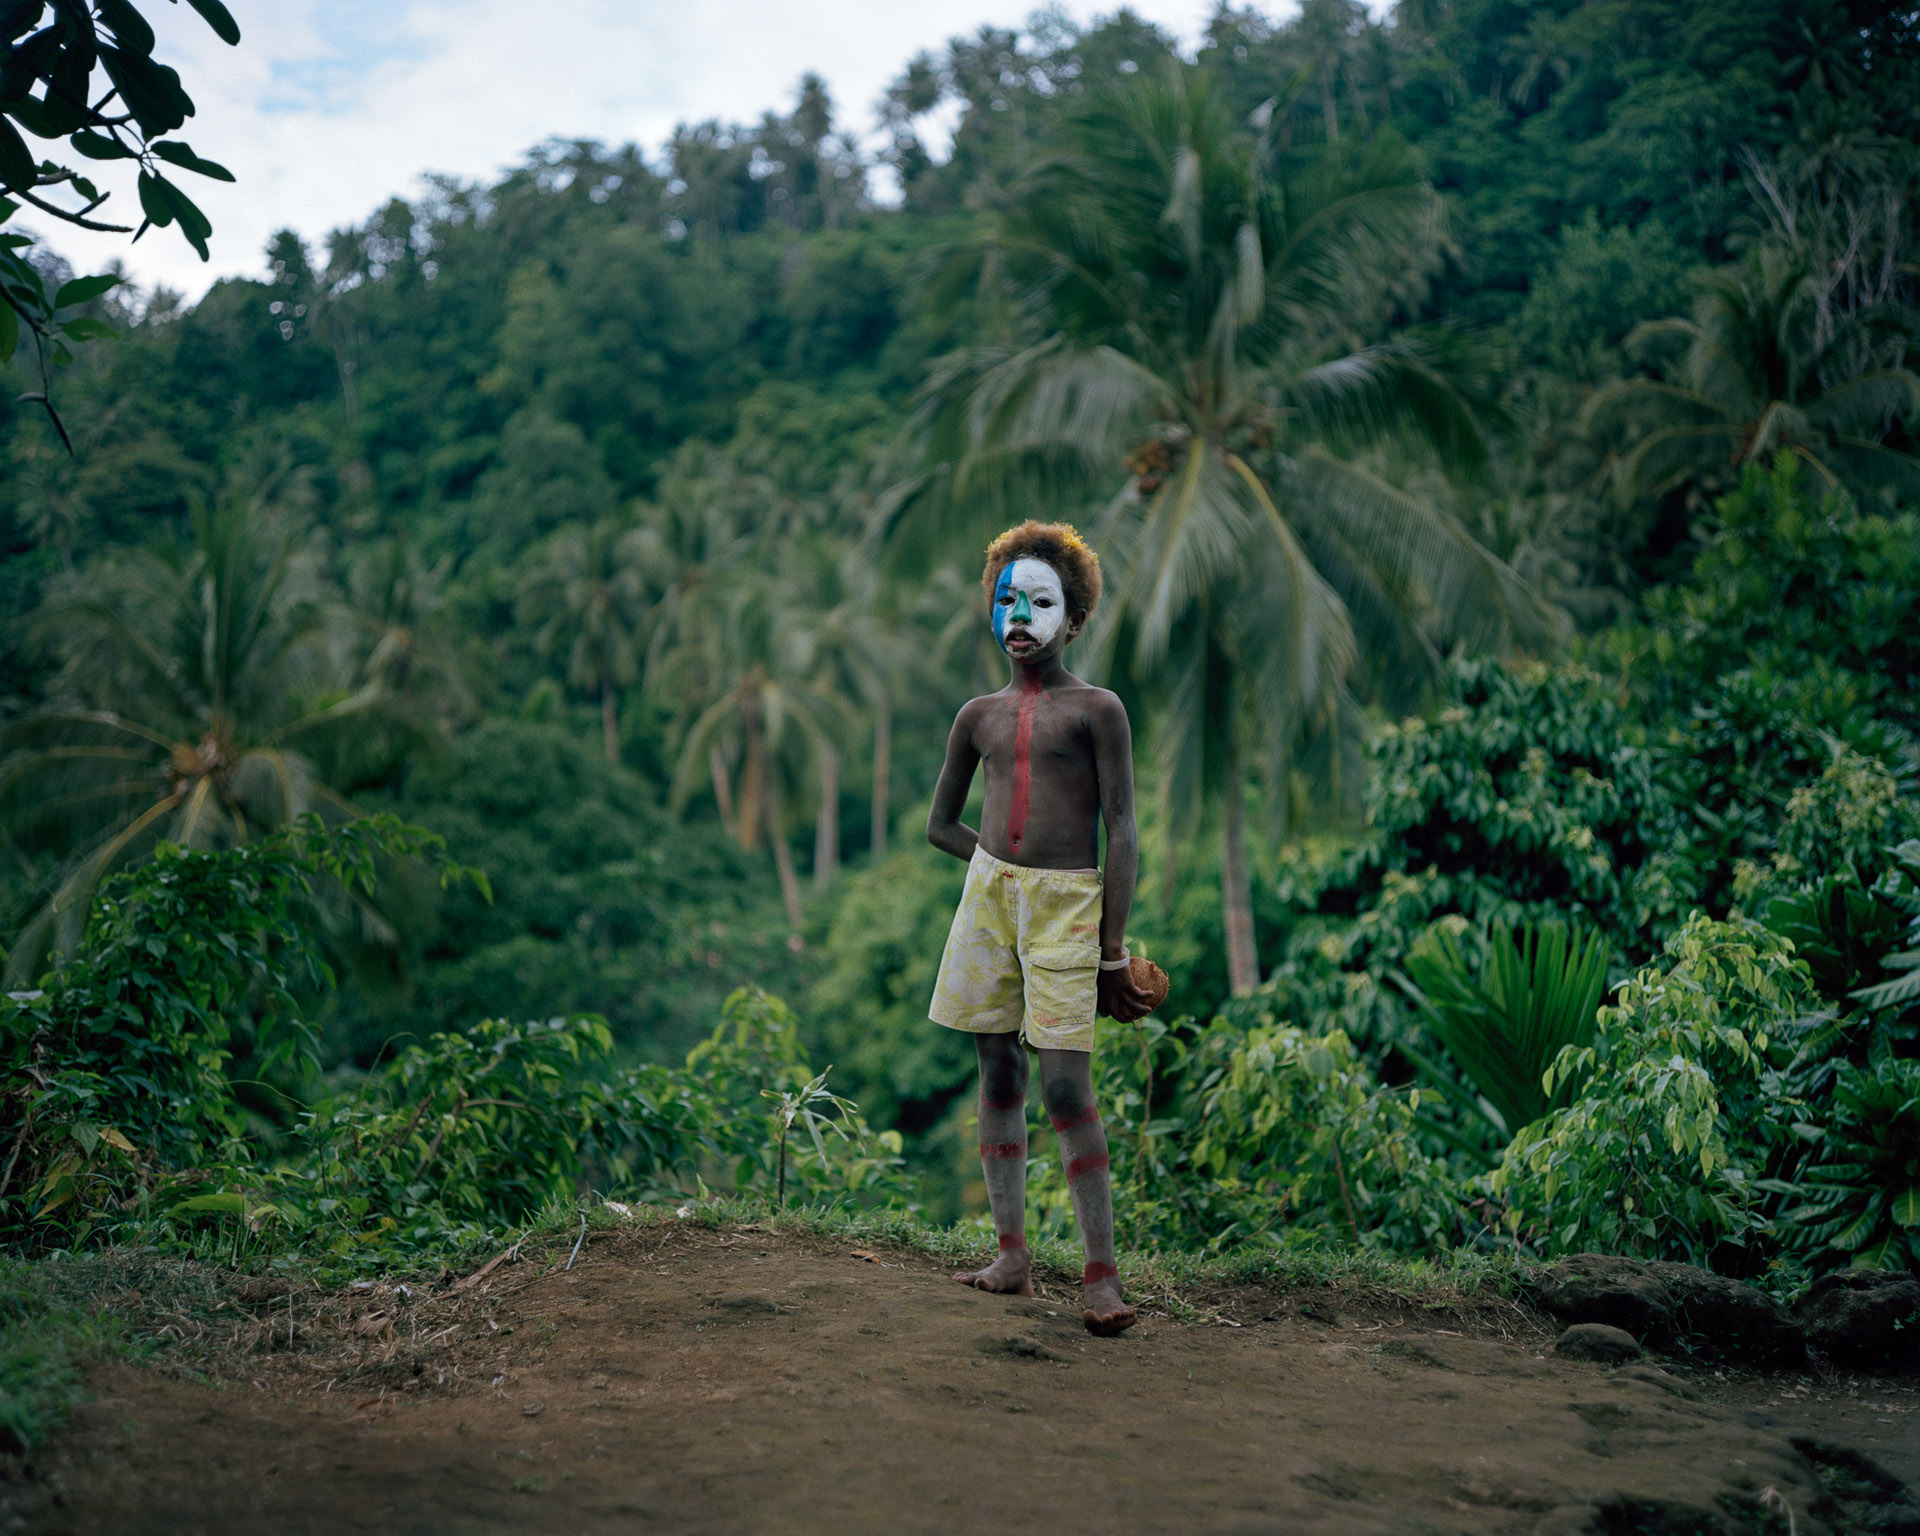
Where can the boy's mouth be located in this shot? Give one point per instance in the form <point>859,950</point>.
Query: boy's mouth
<point>1019,638</point>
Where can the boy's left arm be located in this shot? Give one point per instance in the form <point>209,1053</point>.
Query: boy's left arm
<point>1113,761</point>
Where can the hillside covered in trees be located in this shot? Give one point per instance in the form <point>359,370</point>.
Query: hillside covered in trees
<point>1499,426</point>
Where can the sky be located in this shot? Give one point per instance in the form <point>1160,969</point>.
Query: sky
<point>329,107</point>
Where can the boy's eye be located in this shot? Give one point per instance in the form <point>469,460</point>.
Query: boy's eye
<point>1006,601</point>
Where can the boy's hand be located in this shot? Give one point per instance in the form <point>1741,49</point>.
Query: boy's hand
<point>1120,998</point>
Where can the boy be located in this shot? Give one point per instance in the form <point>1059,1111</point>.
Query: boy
<point>1039,940</point>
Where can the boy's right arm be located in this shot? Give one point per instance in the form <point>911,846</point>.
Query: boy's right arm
<point>945,830</point>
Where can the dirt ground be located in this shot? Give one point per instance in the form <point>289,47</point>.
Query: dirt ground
<point>697,1380</point>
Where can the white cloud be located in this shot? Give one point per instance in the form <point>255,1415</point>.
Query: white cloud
<point>329,107</point>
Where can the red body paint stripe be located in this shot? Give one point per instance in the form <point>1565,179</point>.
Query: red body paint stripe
<point>1011,1240</point>
<point>1003,1149</point>
<point>1095,1272</point>
<point>1088,1116</point>
<point>1006,1104</point>
<point>1080,1167</point>
<point>1022,768</point>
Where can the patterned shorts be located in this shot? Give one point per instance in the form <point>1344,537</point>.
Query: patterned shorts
<point>1023,953</point>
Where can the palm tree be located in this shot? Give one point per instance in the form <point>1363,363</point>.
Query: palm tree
<point>396,602</point>
<point>1192,308</point>
<point>741,683</point>
<point>689,542</point>
<point>1764,369</point>
<point>587,595</point>
<point>858,651</point>
<point>196,685</point>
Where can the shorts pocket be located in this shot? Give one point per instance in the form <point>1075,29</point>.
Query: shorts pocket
<point>1062,992</point>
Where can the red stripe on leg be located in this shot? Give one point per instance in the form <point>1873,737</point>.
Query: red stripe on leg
<point>1088,1116</point>
<point>1003,1149</point>
<point>1005,1105</point>
<point>1012,1240</point>
<point>1097,1272</point>
<point>1080,1167</point>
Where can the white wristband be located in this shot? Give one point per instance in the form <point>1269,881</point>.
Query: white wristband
<point>1117,965</point>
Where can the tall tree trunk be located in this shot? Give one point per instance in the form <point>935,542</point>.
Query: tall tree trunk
<point>1327,107</point>
<point>882,775</point>
<point>1236,892</point>
<point>722,786</point>
<point>753,776</point>
<point>826,835</point>
<point>609,720</point>
<point>782,861</point>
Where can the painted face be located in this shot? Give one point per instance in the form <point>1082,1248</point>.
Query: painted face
<point>1029,606</point>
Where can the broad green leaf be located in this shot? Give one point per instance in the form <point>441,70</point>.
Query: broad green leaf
<point>179,154</point>
<point>1906,1206</point>
<point>130,28</point>
<point>17,167</point>
<point>227,1200</point>
<point>87,328</point>
<point>151,91</point>
<point>9,330</point>
<point>154,201</point>
<point>219,18</point>
<point>82,289</point>
<point>97,146</point>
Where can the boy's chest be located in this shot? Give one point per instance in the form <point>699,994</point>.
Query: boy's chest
<point>1040,728</point>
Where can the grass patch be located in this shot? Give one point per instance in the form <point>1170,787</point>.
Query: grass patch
<point>1182,1282</point>
<point>44,1339</point>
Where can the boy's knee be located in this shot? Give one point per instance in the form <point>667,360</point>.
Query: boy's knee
<point>1065,1098</point>
<point>1003,1060</point>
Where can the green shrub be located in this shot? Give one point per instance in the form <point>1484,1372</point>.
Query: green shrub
<point>1263,1134</point>
<point>1681,1110</point>
<point>119,1060</point>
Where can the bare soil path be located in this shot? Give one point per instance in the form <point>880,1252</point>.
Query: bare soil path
<point>698,1380</point>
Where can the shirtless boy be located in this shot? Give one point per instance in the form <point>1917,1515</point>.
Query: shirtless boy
<point>1039,940</point>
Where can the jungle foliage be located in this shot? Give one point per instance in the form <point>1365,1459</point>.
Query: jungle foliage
<point>1499,426</point>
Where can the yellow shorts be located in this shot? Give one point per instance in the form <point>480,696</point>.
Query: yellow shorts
<point>1023,953</point>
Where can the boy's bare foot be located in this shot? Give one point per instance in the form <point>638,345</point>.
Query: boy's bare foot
<point>1106,1314</point>
<point>1009,1275</point>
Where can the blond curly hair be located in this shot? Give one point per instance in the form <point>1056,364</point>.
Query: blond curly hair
<point>1060,545</point>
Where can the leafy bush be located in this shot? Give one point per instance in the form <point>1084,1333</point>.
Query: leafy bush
<point>126,1108</point>
<point>1263,1134</point>
<point>119,1060</point>
<point>1660,1153</point>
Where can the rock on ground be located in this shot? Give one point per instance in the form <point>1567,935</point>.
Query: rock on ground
<point>1868,1319</point>
<point>1729,1319</point>
<point>1600,1288</point>
<point>1597,1341</point>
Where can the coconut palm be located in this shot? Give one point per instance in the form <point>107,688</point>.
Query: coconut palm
<point>196,686</point>
<point>1190,311</point>
<point>396,602</point>
<point>742,685</point>
<point>1763,369</point>
<point>587,595</point>
<point>689,542</point>
<point>858,648</point>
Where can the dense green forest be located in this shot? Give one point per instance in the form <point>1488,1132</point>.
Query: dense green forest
<point>1500,427</point>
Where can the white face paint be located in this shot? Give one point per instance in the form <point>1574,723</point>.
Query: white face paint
<point>1028,596</point>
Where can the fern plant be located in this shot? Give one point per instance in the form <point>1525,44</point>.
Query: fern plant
<point>1861,1200</point>
<point>1533,997</point>
<point>1899,889</point>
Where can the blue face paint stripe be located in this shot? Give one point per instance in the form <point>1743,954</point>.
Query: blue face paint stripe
<point>1000,588</point>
